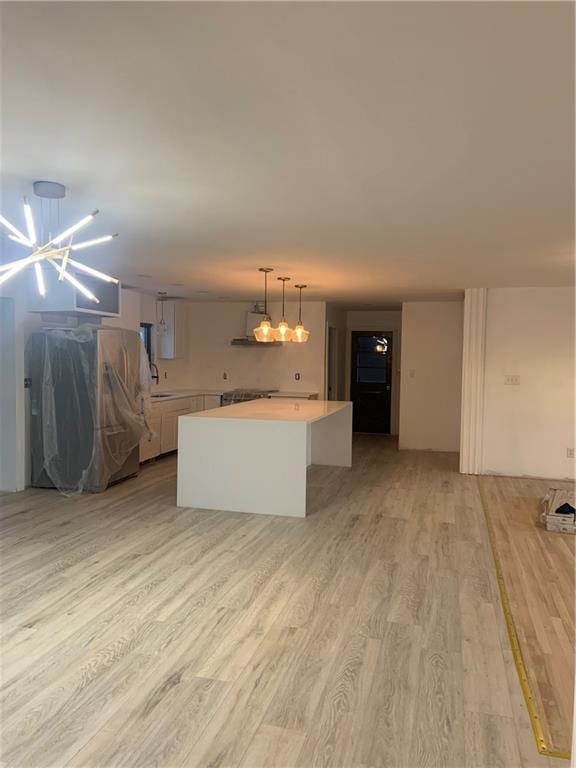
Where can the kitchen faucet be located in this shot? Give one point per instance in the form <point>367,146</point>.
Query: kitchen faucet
<point>154,372</point>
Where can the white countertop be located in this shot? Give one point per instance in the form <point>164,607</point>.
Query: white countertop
<point>174,394</point>
<point>295,394</point>
<point>275,409</point>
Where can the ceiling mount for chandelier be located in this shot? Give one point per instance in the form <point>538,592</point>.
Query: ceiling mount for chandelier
<point>55,252</point>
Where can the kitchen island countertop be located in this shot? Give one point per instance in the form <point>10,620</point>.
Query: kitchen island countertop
<point>275,409</point>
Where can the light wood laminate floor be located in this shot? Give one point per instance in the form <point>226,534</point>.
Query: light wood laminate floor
<point>136,633</point>
<point>538,568</point>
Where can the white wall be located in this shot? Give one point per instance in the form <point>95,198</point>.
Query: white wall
<point>12,445</point>
<point>528,428</point>
<point>379,320</point>
<point>17,325</point>
<point>431,375</point>
<point>130,311</point>
<point>212,326</point>
<point>336,318</point>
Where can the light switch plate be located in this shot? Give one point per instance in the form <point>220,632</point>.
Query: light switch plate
<point>513,380</point>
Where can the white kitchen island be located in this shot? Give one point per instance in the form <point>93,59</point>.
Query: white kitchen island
<point>253,456</point>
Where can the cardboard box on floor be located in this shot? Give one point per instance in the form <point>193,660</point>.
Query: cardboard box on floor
<point>553,520</point>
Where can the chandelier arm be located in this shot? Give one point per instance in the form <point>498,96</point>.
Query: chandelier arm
<point>30,224</point>
<point>14,267</point>
<point>94,272</point>
<point>89,243</point>
<point>39,279</point>
<point>19,241</point>
<point>73,281</point>
<point>14,231</point>
<point>74,228</point>
<point>65,256</point>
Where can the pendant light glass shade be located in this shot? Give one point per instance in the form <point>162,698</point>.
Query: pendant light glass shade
<point>264,332</point>
<point>162,328</point>
<point>283,332</point>
<point>300,335</point>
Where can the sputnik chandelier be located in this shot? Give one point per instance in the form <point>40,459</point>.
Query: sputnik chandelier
<point>55,252</point>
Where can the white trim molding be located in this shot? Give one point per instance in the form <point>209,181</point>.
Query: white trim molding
<point>473,362</point>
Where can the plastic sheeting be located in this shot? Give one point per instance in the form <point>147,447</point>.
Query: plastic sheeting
<point>90,395</point>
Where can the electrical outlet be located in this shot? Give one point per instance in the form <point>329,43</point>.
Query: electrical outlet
<point>297,376</point>
<point>224,375</point>
<point>165,374</point>
<point>570,453</point>
<point>512,380</point>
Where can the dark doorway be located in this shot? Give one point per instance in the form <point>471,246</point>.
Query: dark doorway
<point>371,386</point>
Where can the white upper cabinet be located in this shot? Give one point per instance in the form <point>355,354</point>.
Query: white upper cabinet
<point>173,341</point>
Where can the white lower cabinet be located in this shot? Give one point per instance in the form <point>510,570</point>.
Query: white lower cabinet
<point>151,448</point>
<point>164,422</point>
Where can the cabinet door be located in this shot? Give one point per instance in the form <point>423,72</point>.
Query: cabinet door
<point>165,340</point>
<point>169,432</point>
<point>172,343</point>
<point>211,401</point>
<point>196,403</point>
<point>151,448</point>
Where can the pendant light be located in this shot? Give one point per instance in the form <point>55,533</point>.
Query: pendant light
<point>162,325</point>
<point>283,332</point>
<point>264,331</point>
<point>300,334</point>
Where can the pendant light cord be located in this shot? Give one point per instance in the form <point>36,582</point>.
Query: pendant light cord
<point>300,302</point>
<point>283,295</point>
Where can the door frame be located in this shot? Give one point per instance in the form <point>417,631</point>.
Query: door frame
<point>332,377</point>
<point>352,367</point>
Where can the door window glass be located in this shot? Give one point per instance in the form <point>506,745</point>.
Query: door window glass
<point>371,375</point>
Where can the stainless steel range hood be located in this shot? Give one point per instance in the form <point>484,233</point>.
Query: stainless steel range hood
<point>244,341</point>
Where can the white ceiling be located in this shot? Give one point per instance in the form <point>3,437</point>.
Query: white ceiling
<point>376,151</point>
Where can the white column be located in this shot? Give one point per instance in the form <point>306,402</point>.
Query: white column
<point>12,413</point>
<point>472,414</point>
